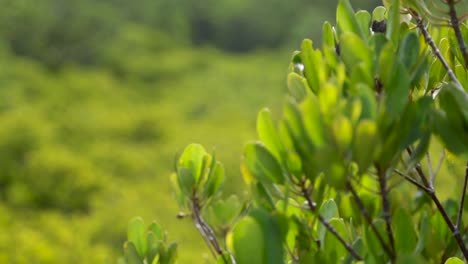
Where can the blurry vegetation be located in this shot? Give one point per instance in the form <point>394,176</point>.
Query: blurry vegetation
<point>96,96</point>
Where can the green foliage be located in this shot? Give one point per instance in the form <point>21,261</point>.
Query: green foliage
<point>342,177</point>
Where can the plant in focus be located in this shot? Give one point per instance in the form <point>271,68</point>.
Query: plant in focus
<point>350,173</point>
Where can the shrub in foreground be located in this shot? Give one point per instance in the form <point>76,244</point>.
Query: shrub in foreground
<point>351,172</point>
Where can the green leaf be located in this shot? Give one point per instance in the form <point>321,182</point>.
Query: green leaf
<point>354,51</point>
<point>408,52</point>
<point>131,254</point>
<point>192,160</point>
<point>328,36</point>
<point>273,250</point>
<point>424,233</point>
<point>396,89</point>
<point>365,144</point>
<point>343,133</point>
<point>169,255</point>
<point>454,260</point>
<point>297,86</point>
<point>186,181</point>
<point>153,247</point>
<point>364,20</point>
<point>247,242</point>
<point>262,164</point>
<point>405,235</point>
<point>215,179</point>
<point>312,121</point>
<point>328,210</point>
<point>393,23</point>
<point>346,20</point>
<point>372,242</point>
<point>379,13</point>
<point>156,229</point>
<point>136,234</point>
<point>333,247</point>
<point>269,135</point>
<point>312,61</point>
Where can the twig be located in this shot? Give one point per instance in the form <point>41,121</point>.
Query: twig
<point>386,208</point>
<point>411,180</point>
<point>327,225</point>
<point>458,34</point>
<point>430,42</point>
<point>462,199</point>
<point>431,171</point>
<point>206,231</point>
<point>441,160</point>
<point>368,218</point>
<point>454,229</point>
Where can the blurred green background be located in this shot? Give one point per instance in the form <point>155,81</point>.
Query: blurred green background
<point>97,97</point>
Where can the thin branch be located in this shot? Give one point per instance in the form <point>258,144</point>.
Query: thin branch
<point>458,34</point>
<point>368,218</point>
<point>411,180</point>
<point>462,199</point>
<point>435,50</point>
<point>431,171</point>
<point>205,230</point>
<point>441,160</point>
<point>386,208</point>
<point>454,229</point>
<point>327,225</point>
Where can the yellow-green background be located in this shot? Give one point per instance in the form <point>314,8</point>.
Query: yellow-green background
<point>97,98</point>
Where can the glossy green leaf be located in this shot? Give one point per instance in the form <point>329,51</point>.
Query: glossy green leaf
<point>424,234</point>
<point>157,231</point>
<point>343,132</point>
<point>405,235</point>
<point>268,134</point>
<point>262,164</point>
<point>136,234</point>
<point>379,13</point>
<point>247,242</point>
<point>297,86</point>
<point>215,179</point>
<point>346,19</point>
<point>328,210</point>
<point>186,181</point>
<point>312,61</point>
<point>365,144</point>
<point>364,20</point>
<point>393,22</point>
<point>273,251</point>
<point>396,89</point>
<point>192,160</point>
<point>313,121</point>
<point>131,254</point>
<point>153,247</point>
<point>354,51</point>
<point>328,36</point>
<point>408,52</point>
<point>169,255</point>
<point>372,242</point>
<point>333,247</point>
<point>454,260</point>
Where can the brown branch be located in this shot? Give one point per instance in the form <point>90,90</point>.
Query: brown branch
<point>462,199</point>
<point>368,218</point>
<point>458,34</point>
<point>205,230</point>
<point>435,50</point>
<point>386,214</point>
<point>454,229</point>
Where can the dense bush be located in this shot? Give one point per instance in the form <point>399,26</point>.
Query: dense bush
<point>58,33</point>
<point>374,121</point>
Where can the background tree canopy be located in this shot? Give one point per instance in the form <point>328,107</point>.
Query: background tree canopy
<point>96,96</point>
